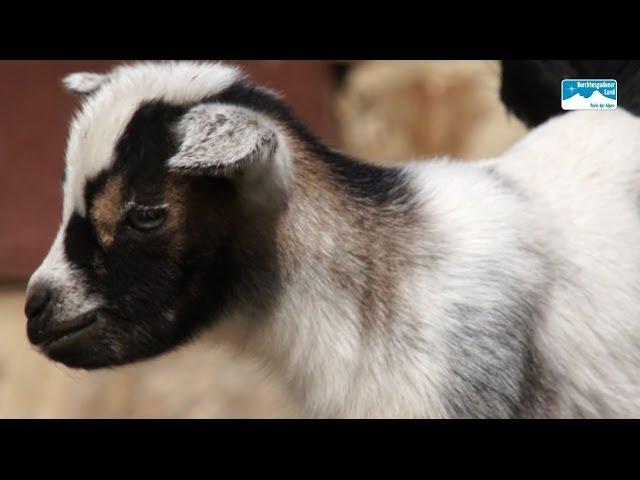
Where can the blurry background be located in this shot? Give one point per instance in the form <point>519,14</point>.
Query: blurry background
<point>383,111</point>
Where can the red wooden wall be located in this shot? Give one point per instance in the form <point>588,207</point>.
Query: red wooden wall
<point>34,113</point>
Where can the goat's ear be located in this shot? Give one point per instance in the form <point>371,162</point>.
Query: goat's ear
<point>83,83</point>
<point>222,140</point>
<point>236,143</point>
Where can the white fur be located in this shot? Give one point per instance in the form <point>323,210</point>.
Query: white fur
<point>580,180</point>
<point>314,337</point>
<point>72,297</point>
<point>582,172</point>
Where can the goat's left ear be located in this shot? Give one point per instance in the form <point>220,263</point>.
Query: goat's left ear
<point>83,83</point>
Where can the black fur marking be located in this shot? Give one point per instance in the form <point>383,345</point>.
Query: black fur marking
<point>80,242</point>
<point>144,148</point>
<point>364,181</point>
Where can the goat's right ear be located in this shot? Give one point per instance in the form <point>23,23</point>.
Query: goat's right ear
<point>83,83</point>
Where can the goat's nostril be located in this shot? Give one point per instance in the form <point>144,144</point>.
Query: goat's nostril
<point>37,301</point>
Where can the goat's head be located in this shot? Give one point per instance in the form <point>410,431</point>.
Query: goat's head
<point>163,168</point>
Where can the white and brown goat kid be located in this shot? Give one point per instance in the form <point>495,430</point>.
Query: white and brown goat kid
<point>194,202</point>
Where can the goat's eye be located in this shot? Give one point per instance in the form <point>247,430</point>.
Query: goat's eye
<point>146,218</point>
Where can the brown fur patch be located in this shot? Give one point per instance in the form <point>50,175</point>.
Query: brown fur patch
<point>362,245</point>
<point>107,208</point>
<point>176,197</point>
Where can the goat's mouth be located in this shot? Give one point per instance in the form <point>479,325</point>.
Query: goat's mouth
<point>69,334</point>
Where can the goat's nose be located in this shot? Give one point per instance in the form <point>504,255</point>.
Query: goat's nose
<point>38,313</point>
<point>37,300</point>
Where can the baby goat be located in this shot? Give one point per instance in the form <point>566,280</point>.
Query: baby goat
<point>194,201</point>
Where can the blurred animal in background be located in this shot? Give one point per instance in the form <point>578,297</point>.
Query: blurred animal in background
<point>391,111</point>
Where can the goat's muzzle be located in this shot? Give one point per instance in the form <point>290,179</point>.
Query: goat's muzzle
<point>45,330</point>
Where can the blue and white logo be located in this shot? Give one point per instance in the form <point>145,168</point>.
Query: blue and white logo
<point>589,94</point>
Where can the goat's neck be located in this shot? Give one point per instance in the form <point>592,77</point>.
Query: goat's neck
<point>338,256</point>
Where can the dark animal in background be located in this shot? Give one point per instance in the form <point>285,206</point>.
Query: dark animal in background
<point>531,88</point>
